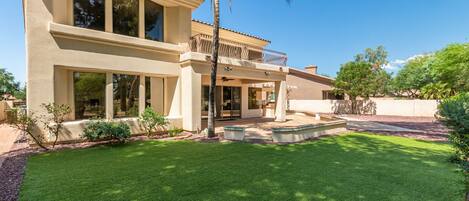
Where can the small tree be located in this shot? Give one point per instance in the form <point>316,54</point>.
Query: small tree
<point>354,80</point>
<point>151,121</point>
<point>454,113</point>
<point>26,123</point>
<point>53,121</point>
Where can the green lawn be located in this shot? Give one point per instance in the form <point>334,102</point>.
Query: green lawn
<point>352,167</point>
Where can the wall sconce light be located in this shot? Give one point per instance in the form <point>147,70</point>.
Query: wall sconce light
<point>228,69</point>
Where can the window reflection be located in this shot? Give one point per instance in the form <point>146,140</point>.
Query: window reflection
<point>126,95</point>
<point>90,96</point>
<point>89,14</point>
<point>154,21</point>
<point>125,17</point>
<point>254,98</point>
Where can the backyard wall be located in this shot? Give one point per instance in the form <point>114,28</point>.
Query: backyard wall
<point>3,114</point>
<point>418,108</point>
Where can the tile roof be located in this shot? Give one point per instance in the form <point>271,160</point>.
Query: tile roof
<point>227,29</point>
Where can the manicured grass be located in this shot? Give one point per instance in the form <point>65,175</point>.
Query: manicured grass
<point>352,167</point>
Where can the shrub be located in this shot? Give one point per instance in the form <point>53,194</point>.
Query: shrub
<point>151,121</point>
<point>175,131</point>
<point>27,124</point>
<point>454,113</point>
<point>100,129</point>
<point>53,121</point>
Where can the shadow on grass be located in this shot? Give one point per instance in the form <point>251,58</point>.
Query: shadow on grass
<point>352,167</point>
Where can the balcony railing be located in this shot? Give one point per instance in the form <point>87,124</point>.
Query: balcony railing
<point>203,44</point>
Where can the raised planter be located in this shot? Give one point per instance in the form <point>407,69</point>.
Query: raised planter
<point>305,132</point>
<point>234,133</point>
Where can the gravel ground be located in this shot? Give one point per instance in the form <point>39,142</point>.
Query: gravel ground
<point>432,129</point>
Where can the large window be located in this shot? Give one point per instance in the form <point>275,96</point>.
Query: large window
<point>125,17</point>
<point>126,94</point>
<point>254,98</point>
<point>90,95</point>
<point>154,21</point>
<point>89,14</point>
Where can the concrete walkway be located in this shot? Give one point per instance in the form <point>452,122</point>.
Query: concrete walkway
<point>8,136</point>
<point>357,124</point>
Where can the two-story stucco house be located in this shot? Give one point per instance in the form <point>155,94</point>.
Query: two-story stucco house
<point>112,58</point>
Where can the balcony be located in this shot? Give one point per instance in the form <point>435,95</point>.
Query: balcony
<point>203,44</point>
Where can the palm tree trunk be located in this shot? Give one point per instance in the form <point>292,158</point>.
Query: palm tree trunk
<point>213,74</point>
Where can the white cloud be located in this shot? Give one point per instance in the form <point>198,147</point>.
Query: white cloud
<point>399,63</point>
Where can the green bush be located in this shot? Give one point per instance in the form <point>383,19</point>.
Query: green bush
<point>100,129</point>
<point>454,113</point>
<point>175,132</point>
<point>151,121</point>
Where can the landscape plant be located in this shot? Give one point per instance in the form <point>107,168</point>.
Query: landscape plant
<point>54,119</point>
<point>175,131</point>
<point>151,121</point>
<point>27,123</point>
<point>353,80</point>
<point>106,130</point>
<point>454,113</point>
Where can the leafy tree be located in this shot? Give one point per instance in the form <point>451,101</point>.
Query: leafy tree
<point>413,76</point>
<point>451,66</point>
<point>8,85</point>
<point>376,57</point>
<point>354,80</point>
<point>380,79</point>
<point>437,91</point>
<point>53,121</point>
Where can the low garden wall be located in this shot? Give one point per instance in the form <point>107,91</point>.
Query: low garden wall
<point>416,108</point>
<point>305,132</point>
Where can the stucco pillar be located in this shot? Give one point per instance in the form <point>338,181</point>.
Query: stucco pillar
<point>141,95</point>
<point>191,99</point>
<point>157,94</point>
<point>172,97</point>
<point>109,96</point>
<point>281,100</point>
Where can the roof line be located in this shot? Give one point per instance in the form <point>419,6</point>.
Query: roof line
<point>231,30</point>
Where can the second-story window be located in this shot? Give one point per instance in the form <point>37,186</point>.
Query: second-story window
<point>125,17</point>
<point>89,14</point>
<point>154,21</point>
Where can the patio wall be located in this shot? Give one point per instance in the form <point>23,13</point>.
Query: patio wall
<point>417,108</point>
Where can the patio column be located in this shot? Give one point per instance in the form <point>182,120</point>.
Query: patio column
<point>141,95</point>
<point>191,99</point>
<point>280,100</point>
<point>109,96</point>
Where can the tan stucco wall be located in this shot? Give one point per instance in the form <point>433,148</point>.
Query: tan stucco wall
<point>304,89</point>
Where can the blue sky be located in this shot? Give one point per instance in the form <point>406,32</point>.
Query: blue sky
<point>327,33</point>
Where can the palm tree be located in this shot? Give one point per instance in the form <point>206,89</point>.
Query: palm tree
<point>213,74</point>
<point>214,66</point>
